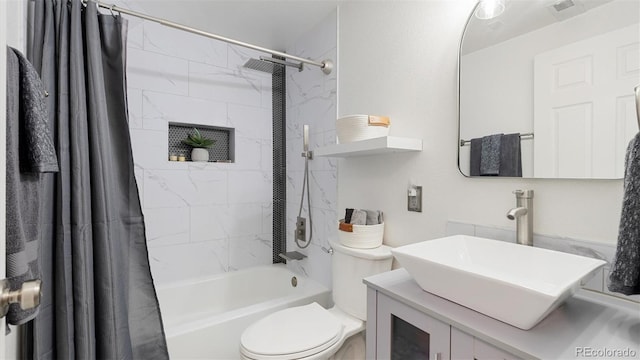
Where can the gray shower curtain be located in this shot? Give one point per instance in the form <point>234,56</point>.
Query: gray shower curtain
<point>99,301</point>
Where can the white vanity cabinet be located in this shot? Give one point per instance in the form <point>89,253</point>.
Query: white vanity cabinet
<point>396,331</point>
<point>406,322</point>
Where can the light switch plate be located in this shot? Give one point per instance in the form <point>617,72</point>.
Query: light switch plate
<point>414,203</point>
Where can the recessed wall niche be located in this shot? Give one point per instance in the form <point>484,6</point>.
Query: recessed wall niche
<point>222,151</point>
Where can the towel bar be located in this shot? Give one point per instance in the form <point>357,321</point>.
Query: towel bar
<point>525,136</point>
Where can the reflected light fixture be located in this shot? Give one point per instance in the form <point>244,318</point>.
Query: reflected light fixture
<point>488,9</point>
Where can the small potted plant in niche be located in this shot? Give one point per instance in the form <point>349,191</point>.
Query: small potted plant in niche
<point>200,144</point>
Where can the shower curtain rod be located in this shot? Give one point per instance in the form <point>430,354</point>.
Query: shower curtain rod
<point>325,65</point>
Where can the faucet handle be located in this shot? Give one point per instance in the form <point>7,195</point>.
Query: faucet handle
<point>518,192</point>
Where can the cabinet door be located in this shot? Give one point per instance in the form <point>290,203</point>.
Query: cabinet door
<point>484,351</point>
<point>461,345</point>
<point>467,347</point>
<point>404,333</point>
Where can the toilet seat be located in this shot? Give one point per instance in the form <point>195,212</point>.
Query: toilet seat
<point>292,333</point>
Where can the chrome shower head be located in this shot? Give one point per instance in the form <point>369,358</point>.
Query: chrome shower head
<point>268,65</point>
<point>260,65</point>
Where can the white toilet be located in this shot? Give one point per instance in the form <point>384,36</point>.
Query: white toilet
<point>311,331</point>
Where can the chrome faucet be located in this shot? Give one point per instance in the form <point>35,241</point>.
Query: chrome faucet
<point>523,215</point>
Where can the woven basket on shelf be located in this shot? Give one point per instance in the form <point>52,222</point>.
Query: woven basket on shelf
<point>361,127</point>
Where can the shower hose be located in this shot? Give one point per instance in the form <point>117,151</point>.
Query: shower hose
<point>305,185</point>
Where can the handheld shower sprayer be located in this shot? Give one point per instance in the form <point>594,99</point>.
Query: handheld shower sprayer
<point>308,155</point>
<point>300,234</point>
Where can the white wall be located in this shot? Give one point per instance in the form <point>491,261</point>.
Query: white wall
<point>497,86</point>
<point>311,99</point>
<point>16,24</point>
<point>400,59</point>
<point>201,219</point>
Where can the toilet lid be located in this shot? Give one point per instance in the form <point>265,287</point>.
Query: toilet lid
<point>305,329</point>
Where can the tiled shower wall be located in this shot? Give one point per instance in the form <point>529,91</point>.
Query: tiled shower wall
<point>201,219</point>
<point>311,99</point>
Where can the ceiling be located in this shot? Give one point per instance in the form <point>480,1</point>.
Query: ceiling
<point>521,17</point>
<point>266,23</point>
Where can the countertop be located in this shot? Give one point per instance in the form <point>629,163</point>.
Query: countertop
<point>586,320</point>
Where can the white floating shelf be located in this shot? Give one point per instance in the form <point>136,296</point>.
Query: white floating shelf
<point>377,146</point>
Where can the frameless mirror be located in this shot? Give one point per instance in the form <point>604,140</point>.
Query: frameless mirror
<point>547,88</point>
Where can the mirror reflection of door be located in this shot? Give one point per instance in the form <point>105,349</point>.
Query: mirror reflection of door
<point>563,70</point>
<point>584,113</point>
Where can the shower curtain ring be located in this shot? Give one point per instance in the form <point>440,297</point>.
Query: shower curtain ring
<point>111,9</point>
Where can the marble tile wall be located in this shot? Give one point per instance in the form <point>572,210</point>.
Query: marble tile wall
<point>573,246</point>
<point>311,99</point>
<point>201,219</point>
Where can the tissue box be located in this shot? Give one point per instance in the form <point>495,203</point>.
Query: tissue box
<point>361,236</point>
<point>361,127</point>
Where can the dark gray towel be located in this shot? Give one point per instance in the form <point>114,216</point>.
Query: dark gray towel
<point>475,156</point>
<point>347,216</point>
<point>490,155</point>
<point>625,271</point>
<point>37,152</point>
<point>30,152</point>
<point>510,156</point>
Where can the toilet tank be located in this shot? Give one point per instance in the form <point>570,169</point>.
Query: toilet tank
<point>349,267</point>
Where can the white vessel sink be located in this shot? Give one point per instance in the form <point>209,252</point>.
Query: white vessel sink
<point>516,284</point>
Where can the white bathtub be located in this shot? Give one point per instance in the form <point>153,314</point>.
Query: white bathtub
<point>204,318</point>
